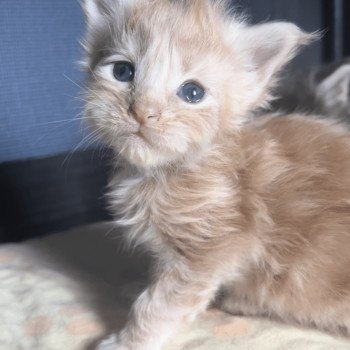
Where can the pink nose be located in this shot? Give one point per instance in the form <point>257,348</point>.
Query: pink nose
<point>143,115</point>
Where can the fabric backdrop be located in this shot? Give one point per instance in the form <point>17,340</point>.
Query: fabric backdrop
<point>38,54</point>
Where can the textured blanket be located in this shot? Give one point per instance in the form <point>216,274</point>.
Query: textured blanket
<point>65,291</point>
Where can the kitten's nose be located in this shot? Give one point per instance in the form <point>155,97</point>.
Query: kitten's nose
<point>144,114</point>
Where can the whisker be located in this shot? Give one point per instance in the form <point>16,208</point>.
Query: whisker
<point>71,120</point>
<point>87,138</point>
<point>75,83</point>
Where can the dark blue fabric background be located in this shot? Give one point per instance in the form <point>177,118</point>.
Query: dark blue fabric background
<point>38,51</point>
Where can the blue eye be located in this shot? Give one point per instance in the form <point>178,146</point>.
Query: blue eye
<point>124,71</point>
<point>191,92</point>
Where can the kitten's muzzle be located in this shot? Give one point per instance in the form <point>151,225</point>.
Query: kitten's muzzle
<point>144,116</point>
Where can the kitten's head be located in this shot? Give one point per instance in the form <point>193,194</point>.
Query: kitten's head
<point>167,77</point>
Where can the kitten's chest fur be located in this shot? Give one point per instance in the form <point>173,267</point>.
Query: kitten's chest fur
<point>182,212</point>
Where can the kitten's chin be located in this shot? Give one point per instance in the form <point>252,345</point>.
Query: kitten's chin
<point>146,158</point>
<point>137,151</point>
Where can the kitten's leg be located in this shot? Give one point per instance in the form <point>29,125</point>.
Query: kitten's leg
<point>155,315</point>
<point>234,303</point>
<point>238,307</point>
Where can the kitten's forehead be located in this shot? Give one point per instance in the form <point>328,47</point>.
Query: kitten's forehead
<point>163,25</point>
<point>159,66</point>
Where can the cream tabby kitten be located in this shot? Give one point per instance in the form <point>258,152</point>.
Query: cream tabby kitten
<point>258,211</point>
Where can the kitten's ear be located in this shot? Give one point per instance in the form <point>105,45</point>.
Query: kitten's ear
<point>95,23</point>
<point>100,16</point>
<point>95,10</point>
<point>268,47</point>
<point>92,12</point>
<point>335,88</point>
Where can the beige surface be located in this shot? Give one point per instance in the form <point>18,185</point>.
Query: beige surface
<point>65,291</point>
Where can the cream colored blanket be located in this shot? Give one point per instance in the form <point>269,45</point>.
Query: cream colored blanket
<point>65,291</point>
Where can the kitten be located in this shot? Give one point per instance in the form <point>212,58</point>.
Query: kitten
<point>324,91</point>
<point>258,209</point>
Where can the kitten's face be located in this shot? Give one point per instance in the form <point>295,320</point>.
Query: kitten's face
<point>165,78</point>
<point>157,92</point>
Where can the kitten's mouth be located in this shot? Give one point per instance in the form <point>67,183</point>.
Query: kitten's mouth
<point>139,135</point>
<point>142,136</point>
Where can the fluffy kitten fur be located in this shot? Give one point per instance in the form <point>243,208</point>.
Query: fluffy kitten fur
<point>324,91</point>
<point>256,209</point>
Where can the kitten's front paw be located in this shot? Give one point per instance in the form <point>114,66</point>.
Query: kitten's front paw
<point>110,343</point>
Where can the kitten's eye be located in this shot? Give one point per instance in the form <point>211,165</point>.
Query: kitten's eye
<point>124,71</point>
<point>191,92</point>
